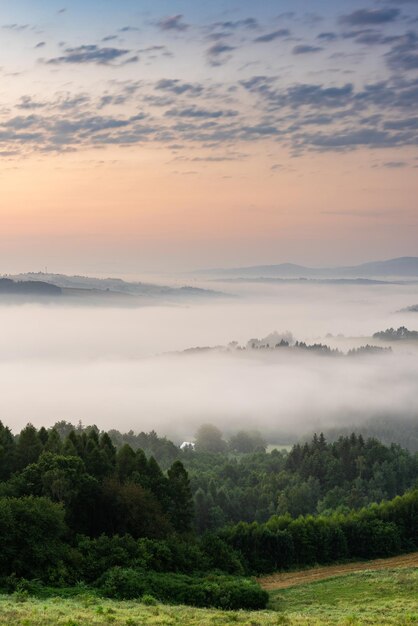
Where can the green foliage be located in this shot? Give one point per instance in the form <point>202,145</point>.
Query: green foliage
<point>312,478</point>
<point>32,537</point>
<point>74,508</point>
<point>209,439</point>
<point>217,591</point>
<point>245,442</point>
<point>283,542</point>
<point>149,600</point>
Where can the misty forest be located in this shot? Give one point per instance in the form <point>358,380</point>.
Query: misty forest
<point>193,474</point>
<point>209,313</point>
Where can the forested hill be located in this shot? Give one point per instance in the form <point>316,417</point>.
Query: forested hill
<point>228,481</point>
<point>28,287</point>
<point>77,508</point>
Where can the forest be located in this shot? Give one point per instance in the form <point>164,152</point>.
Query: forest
<point>134,514</point>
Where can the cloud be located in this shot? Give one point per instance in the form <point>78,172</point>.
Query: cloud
<point>353,138</point>
<point>173,22</point>
<point>128,29</point>
<point>276,34</point>
<point>306,49</point>
<point>218,54</point>
<point>327,36</point>
<point>410,123</point>
<point>41,44</point>
<point>249,23</point>
<point>179,87</point>
<point>302,94</point>
<point>364,17</point>
<point>26,102</point>
<point>16,27</point>
<point>194,112</point>
<point>404,55</point>
<point>89,54</point>
<point>370,37</point>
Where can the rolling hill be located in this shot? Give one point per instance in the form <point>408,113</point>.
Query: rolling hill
<point>402,267</point>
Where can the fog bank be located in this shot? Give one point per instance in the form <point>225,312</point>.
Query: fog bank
<point>111,367</point>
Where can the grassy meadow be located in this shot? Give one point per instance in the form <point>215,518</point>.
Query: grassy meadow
<point>365,598</point>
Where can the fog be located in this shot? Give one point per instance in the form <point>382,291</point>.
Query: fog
<point>123,367</point>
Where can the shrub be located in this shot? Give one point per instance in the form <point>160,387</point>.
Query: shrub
<point>148,600</point>
<point>31,537</point>
<point>222,592</point>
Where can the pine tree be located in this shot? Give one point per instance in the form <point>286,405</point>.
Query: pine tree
<point>181,509</point>
<point>29,447</point>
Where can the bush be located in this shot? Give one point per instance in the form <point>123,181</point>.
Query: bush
<point>148,600</point>
<point>32,534</point>
<point>223,592</point>
<point>123,583</point>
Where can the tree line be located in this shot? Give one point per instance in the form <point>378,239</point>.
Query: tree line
<point>76,507</point>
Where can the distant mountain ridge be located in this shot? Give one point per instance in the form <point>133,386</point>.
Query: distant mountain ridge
<point>401,267</point>
<point>105,288</point>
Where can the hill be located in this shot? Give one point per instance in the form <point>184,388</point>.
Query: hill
<point>402,267</point>
<point>107,290</point>
<point>28,287</point>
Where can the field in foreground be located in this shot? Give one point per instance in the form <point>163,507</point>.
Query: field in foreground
<point>282,580</point>
<point>386,597</point>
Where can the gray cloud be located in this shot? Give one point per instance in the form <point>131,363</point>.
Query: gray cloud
<point>353,138</point>
<point>16,27</point>
<point>194,112</point>
<point>179,87</point>
<point>327,36</point>
<point>306,49</point>
<point>404,55</point>
<point>363,17</point>
<point>249,23</point>
<point>128,29</point>
<point>173,22</point>
<point>370,37</point>
<point>219,53</point>
<point>276,34</point>
<point>402,124</point>
<point>301,117</point>
<point>89,54</point>
<point>301,94</point>
<point>26,102</point>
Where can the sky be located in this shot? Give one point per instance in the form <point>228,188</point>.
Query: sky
<point>169,135</point>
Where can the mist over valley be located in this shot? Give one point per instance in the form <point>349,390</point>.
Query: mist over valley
<point>172,366</point>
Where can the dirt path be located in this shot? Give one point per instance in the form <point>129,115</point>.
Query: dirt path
<point>291,579</point>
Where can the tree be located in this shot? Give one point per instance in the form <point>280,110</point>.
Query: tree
<point>209,439</point>
<point>246,441</point>
<point>181,509</point>
<point>125,462</point>
<point>7,452</point>
<point>134,510</point>
<point>29,447</point>
<point>32,537</point>
<point>53,443</point>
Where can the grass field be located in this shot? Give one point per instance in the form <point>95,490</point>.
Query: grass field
<point>282,580</point>
<point>382,597</point>
<point>368,597</point>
